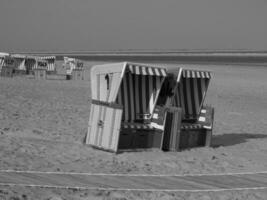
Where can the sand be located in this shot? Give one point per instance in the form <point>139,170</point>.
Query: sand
<point>43,124</point>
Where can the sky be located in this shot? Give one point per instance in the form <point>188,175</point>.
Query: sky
<point>74,25</point>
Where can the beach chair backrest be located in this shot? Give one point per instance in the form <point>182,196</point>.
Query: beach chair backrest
<point>29,64</point>
<point>51,62</point>
<point>134,86</point>
<point>1,62</point>
<point>139,90</point>
<point>9,61</point>
<point>191,92</point>
<point>19,61</point>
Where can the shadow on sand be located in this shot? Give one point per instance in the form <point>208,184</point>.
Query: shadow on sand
<point>234,138</point>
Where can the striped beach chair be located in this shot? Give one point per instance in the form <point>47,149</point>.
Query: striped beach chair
<point>30,62</point>
<point>74,68</point>
<point>2,59</point>
<point>8,66</point>
<point>40,69</point>
<point>20,67</point>
<point>51,63</point>
<point>124,97</point>
<point>186,89</point>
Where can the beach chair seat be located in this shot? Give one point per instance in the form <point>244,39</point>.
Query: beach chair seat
<point>198,133</point>
<point>204,120</point>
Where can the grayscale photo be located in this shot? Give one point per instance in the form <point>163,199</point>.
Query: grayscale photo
<point>144,99</point>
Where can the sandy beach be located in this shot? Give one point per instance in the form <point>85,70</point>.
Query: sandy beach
<point>43,124</point>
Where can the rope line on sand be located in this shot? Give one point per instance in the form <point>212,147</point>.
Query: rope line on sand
<point>131,189</point>
<point>143,175</point>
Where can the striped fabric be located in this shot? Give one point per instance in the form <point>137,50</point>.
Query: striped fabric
<point>51,65</point>
<point>191,91</point>
<point>196,74</point>
<point>9,61</point>
<point>20,64</point>
<point>138,94</point>
<point>2,59</point>
<point>146,70</point>
<point>29,64</point>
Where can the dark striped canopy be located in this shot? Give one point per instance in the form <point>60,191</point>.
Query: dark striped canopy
<point>134,86</point>
<point>191,91</point>
<point>146,70</point>
<point>196,74</point>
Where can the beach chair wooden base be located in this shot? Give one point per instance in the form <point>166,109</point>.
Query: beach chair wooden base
<point>40,74</point>
<point>77,75</point>
<point>18,72</point>
<point>68,77</point>
<point>197,134</point>
<point>190,138</point>
<point>139,136</point>
<point>7,71</point>
<point>51,72</point>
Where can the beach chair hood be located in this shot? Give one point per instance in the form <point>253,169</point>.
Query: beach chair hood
<point>191,91</point>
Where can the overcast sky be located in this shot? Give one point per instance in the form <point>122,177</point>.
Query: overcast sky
<point>61,25</point>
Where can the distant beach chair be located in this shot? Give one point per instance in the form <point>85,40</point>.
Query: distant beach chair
<point>8,66</point>
<point>74,68</point>
<point>20,67</point>
<point>40,69</point>
<point>51,64</point>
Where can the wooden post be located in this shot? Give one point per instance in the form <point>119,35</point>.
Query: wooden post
<point>209,131</point>
<point>172,129</point>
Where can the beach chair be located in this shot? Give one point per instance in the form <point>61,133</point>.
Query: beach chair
<point>8,67</point>
<point>124,97</point>
<point>74,68</point>
<point>30,62</point>
<point>186,89</point>
<point>40,69</point>
<point>20,67</point>
<point>51,64</point>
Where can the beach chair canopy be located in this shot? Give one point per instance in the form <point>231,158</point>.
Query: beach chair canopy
<point>19,61</point>
<point>9,61</point>
<point>31,62</point>
<point>51,62</point>
<point>188,90</point>
<point>134,86</point>
<point>2,59</point>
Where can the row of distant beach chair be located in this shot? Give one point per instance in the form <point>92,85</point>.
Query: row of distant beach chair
<point>40,66</point>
